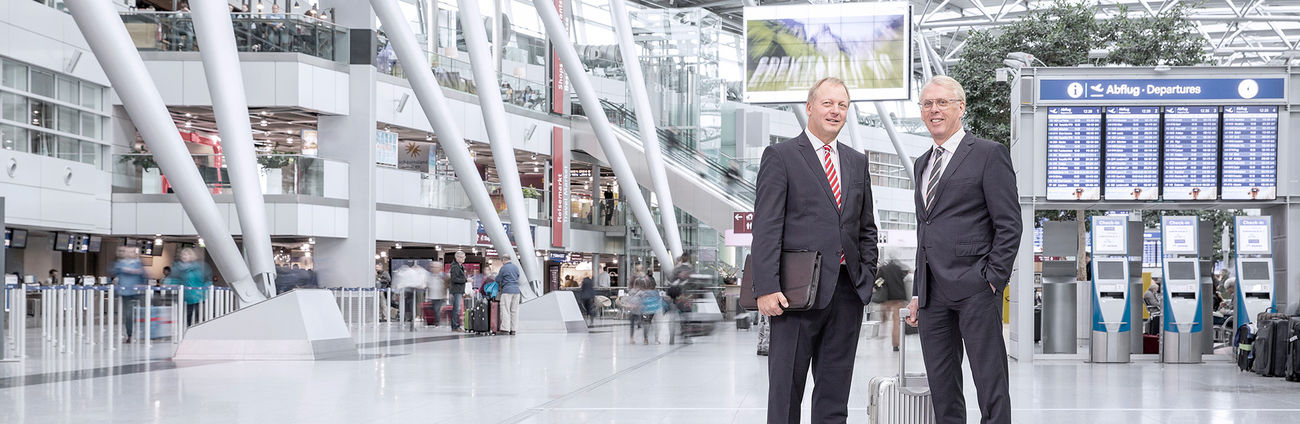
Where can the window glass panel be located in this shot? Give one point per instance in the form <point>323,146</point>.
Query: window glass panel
<point>69,120</point>
<point>13,107</point>
<point>91,95</point>
<point>14,138</point>
<point>69,90</point>
<point>43,83</point>
<point>90,125</point>
<point>90,153</point>
<point>15,76</point>
<point>68,149</point>
<point>42,143</point>
<point>42,113</point>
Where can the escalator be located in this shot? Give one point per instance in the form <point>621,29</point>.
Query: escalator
<point>708,188</point>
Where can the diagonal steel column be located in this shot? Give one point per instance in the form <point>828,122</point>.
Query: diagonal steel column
<point>216,40</point>
<point>429,93</point>
<point>115,52</point>
<point>646,125</point>
<point>898,146</point>
<point>600,125</point>
<point>503,151</point>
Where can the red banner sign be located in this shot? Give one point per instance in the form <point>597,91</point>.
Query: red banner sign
<point>559,188</point>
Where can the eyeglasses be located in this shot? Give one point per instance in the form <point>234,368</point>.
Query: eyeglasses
<point>942,103</point>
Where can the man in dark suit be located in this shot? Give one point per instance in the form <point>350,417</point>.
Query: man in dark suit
<point>968,232</point>
<point>813,193</point>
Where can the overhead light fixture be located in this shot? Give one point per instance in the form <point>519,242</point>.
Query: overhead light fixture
<point>428,137</point>
<point>311,240</point>
<point>397,245</point>
<point>259,5</point>
<point>383,254</point>
<point>376,257</point>
<point>288,139</point>
<point>263,122</point>
<point>264,113</point>
<point>388,128</point>
<point>189,115</point>
<point>534,157</point>
<point>188,124</point>
<point>438,248</point>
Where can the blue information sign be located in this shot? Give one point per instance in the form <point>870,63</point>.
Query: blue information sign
<point>1162,89</point>
<point>1132,153</point>
<point>1250,152</point>
<point>1073,153</point>
<point>1191,165</point>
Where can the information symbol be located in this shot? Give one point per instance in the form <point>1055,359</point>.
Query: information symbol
<point>1074,90</point>
<point>1248,89</point>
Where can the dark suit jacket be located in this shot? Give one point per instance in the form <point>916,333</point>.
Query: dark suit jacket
<point>969,238</point>
<point>794,209</point>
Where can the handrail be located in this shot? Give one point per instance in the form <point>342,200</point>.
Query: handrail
<point>726,172</point>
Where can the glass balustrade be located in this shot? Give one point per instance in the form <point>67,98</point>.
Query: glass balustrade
<point>254,32</point>
<point>278,174</point>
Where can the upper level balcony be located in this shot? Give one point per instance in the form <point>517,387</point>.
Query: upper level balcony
<point>254,32</point>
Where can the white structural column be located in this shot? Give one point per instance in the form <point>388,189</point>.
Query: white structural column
<point>439,114</point>
<point>600,125</point>
<point>216,40</point>
<point>503,150</point>
<point>116,53</point>
<point>646,125</point>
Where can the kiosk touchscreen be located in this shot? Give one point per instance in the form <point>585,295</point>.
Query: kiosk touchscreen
<point>1111,309</point>
<point>1254,249</point>
<point>1254,287</point>
<point>1180,335</point>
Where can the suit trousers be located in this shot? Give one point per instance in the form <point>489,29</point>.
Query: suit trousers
<point>975,321</point>
<point>828,340</point>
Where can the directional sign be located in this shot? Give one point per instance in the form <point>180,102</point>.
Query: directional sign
<point>742,222</point>
<point>1163,89</point>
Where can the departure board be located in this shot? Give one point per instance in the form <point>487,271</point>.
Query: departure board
<point>1132,153</point>
<point>1074,153</point>
<point>1250,152</point>
<point>1191,163</point>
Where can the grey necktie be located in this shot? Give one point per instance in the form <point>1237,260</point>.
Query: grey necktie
<point>936,169</point>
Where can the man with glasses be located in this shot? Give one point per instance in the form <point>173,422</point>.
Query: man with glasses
<point>968,232</point>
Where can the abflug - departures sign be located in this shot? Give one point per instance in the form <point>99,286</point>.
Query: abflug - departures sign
<point>1163,89</point>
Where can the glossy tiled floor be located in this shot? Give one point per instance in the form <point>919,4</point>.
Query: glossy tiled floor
<point>434,376</point>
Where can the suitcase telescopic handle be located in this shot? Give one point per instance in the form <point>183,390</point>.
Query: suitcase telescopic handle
<point>903,314</point>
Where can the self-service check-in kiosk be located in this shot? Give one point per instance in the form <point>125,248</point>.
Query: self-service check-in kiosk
<point>1181,326</point>
<point>1254,249</point>
<point>1111,309</point>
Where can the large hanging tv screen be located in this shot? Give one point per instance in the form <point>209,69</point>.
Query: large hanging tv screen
<point>790,47</point>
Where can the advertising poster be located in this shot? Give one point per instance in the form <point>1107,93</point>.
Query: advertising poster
<point>386,148</point>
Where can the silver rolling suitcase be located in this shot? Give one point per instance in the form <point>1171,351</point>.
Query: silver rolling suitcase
<point>904,398</point>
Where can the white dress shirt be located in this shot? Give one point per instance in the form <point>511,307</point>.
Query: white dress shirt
<point>949,146</point>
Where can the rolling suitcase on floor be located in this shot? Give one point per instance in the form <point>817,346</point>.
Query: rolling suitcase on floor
<point>479,319</point>
<point>1263,349</point>
<point>494,317</point>
<point>901,399</point>
<point>1281,346</point>
<point>1293,351</point>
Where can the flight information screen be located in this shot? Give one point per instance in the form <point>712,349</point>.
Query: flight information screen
<point>1191,166</point>
<point>1250,152</point>
<point>1074,153</point>
<point>1132,153</point>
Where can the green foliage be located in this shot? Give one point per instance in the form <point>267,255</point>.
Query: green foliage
<point>1061,35</point>
<point>274,161</point>
<point>532,193</point>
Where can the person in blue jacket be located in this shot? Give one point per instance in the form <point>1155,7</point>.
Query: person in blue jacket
<point>130,275</point>
<point>193,276</point>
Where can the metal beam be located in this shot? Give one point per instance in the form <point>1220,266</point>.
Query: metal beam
<point>439,115</point>
<point>646,125</point>
<point>213,29</point>
<point>600,125</point>
<point>117,55</point>
<point>503,151</point>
